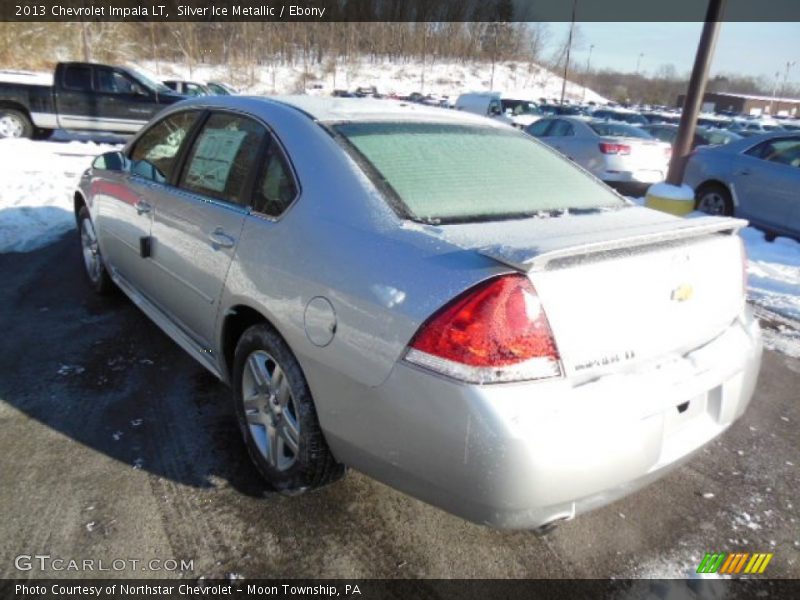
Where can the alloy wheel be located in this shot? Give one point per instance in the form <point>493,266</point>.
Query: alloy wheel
<point>270,410</point>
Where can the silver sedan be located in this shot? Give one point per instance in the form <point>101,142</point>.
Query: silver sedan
<point>757,178</point>
<point>434,299</point>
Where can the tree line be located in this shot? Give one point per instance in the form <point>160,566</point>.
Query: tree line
<point>320,47</point>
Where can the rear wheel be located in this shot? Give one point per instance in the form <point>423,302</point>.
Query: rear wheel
<point>277,416</point>
<point>714,199</point>
<point>14,124</point>
<point>92,259</point>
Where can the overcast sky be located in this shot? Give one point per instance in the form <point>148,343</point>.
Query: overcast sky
<point>744,48</point>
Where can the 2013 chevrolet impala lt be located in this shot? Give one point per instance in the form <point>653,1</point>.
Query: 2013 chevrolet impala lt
<point>426,296</point>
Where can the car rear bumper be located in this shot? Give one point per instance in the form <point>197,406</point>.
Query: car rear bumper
<point>640,176</point>
<point>524,455</point>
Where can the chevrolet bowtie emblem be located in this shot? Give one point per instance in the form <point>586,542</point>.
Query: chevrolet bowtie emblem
<point>682,293</point>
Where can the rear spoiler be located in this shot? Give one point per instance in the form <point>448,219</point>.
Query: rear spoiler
<point>537,258</point>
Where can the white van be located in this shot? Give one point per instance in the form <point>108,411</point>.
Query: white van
<point>519,113</point>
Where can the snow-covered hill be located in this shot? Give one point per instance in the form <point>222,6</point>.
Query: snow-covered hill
<point>523,80</point>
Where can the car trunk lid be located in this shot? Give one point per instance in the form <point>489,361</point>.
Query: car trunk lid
<point>619,291</point>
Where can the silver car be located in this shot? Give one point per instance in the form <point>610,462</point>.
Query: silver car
<point>436,300</point>
<point>616,153</point>
<point>757,178</point>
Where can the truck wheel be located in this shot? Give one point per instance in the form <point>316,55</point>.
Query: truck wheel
<point>277,416</point>
<point>14,124</point>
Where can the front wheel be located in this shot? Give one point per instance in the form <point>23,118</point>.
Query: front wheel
<point>277,416</point>
<point>14,124</point>
<point>92,259</point>
<point>714,199</point>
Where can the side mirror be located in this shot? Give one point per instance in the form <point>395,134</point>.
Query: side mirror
<point>495,110</point>
<point>110,161</point>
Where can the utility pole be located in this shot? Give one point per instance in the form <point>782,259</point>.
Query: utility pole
<point>569,48</point>
<point>695,91</point>
<point>774,92</point>
<point>789,65</point>
<point>585,75</point>
<point>639,61</point>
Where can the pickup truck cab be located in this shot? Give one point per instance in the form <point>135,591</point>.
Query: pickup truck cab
<point>82,97</point>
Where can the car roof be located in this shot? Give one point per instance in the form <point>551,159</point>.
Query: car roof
<point>332,109</point>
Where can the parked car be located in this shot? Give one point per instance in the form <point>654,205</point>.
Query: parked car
<point>753,127</point>
<point>83,97</point>
<point>402,289</point>
<point>562,109</point>
<point>757,178</point>
<point>619,115</point>
<point>187,88</point>
<point>521,112</point>
<point>218,88</point>
<point>702,137</point>
<point>616,153</point>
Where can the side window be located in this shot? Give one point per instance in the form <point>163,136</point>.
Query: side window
<point>785,152</point>
<point>539,128</point>
<point>112,82</point>
<point>561,128</point>
<point>78,78</point>
<point>192,89</point>
<point>155,153</point>
<point>222,157</point>
<point>275,187</point>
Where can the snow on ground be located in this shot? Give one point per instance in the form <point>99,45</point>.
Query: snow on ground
<point>773,273</point>
<point>519,79</point>
<point>37,181</point>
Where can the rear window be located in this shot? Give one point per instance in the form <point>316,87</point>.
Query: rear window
<point>453,172</point>
<point>607,129</point>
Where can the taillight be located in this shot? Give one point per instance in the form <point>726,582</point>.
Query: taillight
<point>494,332</point>
<point>607,148</point>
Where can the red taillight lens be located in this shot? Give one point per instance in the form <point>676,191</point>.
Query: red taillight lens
<point>497,331</point>
<point>607,148</point>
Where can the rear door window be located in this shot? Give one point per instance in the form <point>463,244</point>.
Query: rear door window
<point>78,78</point>
<point>539,128</point>
<point>561,128</point>
<point>155,154</point>
<point>112,82</point>
<point>275,187</point>
<point>223,156</point>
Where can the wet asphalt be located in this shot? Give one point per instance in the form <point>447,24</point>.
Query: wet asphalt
<point>114,444</point>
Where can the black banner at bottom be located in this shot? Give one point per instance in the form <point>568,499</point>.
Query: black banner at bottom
<point>378,589</point>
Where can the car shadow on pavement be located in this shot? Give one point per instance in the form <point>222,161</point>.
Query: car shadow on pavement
<point>98,371</point>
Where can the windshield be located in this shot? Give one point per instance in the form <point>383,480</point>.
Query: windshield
<point>147,82</point>
<point>455,172</point>
<point>611,129</point>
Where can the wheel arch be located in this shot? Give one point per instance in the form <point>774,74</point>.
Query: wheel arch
<point>238,319</point>
<point>78,203</point>
<point>714,181</point>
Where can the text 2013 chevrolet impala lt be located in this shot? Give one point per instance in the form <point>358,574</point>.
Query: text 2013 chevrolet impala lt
<point>432,298</point>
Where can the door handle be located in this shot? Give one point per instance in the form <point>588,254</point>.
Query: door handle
<point>142,207</point>
<point>220,239</point>
<point>743,172</point>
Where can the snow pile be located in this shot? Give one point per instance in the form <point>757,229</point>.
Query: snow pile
<point>515,79</point>
<point>773,273</point>
<point>37,181</point>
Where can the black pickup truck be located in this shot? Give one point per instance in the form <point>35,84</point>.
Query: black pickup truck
<point>83,97</point>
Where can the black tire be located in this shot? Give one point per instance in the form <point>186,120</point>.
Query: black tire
<point>97,274</point>
<point>43,134</point>
<point>311,465</point>
<point>714,199</point>
<point>15,124</point>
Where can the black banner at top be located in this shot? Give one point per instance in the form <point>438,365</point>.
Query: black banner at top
<point>393,10</point>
